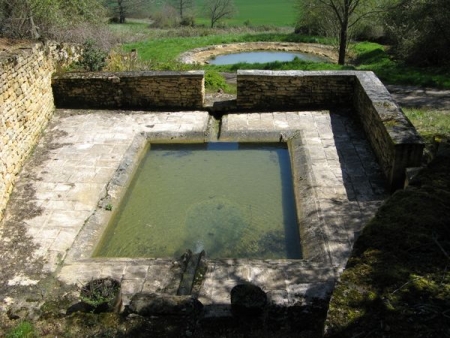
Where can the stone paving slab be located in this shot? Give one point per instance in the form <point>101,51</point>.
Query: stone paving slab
<point>337,181</point>
<point>70,169</point>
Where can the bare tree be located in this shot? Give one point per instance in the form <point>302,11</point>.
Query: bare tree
<point>121,9</point>
<point>342,14</point>
<point>37,18</point>
<point>183,6</point>
<point>219,9</point>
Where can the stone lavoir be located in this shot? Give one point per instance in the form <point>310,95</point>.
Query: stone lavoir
<point>268,105</point>
<point>393,138</point>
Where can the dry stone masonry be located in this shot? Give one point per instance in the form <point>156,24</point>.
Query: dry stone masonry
<point>393,138</point>
<point>130,90</point>
<point>26,104</point>
<point>293,90</point>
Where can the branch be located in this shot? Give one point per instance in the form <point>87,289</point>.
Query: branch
<point>332,5</point>
<point>439,245</point>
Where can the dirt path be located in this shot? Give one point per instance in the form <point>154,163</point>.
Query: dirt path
<point>410,96</point>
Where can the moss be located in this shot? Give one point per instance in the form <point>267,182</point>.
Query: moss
<point>397,282</point>
<point>23,329</point>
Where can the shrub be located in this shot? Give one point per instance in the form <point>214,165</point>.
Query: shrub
<point>420,33</point>
<point>214,81</point>
<point>99,33</point>
<point>121,61</point>
<point>93,58</point>
<point>188,21</point>
<point>166,17</point>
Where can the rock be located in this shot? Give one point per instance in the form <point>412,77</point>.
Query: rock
<point>151,304</point>
<point>247,300</point>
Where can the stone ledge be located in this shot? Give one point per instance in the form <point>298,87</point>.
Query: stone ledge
<point>392,136</point>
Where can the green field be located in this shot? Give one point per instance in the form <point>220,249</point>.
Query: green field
<point>264,12</point>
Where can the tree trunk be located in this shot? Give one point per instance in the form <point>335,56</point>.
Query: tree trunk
<point>33,29</point>
<point>121,11</point>
<point>344,32</point>
<point>342,45</point>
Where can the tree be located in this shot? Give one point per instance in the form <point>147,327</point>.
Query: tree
<point>341,15</point>
<point>420,31</point>
<point>219,9</point>
<point>121,9</point>
<point>38,18</point>
<point>183,6</point>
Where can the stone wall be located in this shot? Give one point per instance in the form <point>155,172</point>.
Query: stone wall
<point>285,90</point>
<point>393,138</point>
<point>26,104</point>
<point>130,90</point>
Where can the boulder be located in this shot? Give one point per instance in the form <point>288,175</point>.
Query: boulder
<point>247,300</point>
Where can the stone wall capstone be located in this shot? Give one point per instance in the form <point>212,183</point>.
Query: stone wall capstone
<point>26,103</point>
<point>394,139</point>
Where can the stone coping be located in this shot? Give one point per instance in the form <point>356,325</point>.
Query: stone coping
<point>132,74</point>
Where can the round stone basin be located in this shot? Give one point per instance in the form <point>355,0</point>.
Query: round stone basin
<point>264,57</point>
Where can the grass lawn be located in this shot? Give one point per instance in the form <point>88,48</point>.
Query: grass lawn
<point>263,12</point>
<point>431,124</point>
<point>374,57</point>
<point>166,49</point>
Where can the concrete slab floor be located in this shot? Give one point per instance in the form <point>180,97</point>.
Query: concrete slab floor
<point>55,213</point>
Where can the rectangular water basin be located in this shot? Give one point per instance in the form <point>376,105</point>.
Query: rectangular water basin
<point>233,200</point>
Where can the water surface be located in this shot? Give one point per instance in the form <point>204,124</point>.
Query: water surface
<point>231,200</point>
<point>264,57</point>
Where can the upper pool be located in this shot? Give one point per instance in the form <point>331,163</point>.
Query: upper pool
<point>264,57</point>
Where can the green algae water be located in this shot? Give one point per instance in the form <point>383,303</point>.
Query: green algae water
<point>233,200</point>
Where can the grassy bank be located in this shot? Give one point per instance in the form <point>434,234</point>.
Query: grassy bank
<point>374,57</point>
<point>162,50</point>
<point>166,48</point>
